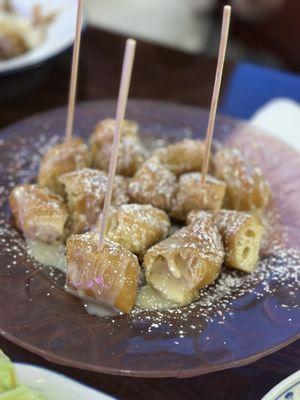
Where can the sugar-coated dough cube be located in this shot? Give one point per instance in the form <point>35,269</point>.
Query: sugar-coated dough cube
<point>137,227</point>
<point>184,156</point>
<point>131,152</point>
<point>183,263</point>
<point>109,274</point>
<point>85,192</point>
<point>38,213</point>
<point>60,160</point>
<point>193,195</point>
<point>153,184</point>
<point>247,189</point>
<point>241,233</point>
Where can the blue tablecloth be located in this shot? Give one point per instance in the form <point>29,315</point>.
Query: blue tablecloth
<point>251,86</point>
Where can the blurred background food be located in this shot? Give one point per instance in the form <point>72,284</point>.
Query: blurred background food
<point>21,33</point>
<point>264,33</point>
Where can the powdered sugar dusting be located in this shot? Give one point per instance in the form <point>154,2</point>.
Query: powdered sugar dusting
<point>278,269</point>
<point>217,301</point>
<point>153,184</point>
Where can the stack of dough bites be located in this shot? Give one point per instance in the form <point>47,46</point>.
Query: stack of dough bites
<point>217,222</point>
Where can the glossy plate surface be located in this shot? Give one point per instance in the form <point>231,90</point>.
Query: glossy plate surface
<point>236,321</point>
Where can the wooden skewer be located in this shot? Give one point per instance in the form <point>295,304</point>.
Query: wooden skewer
<point>74,75</point>
<point>121,108</point>
<point>216,91</point>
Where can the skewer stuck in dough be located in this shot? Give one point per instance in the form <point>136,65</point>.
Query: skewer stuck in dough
<point>192,194</point>
<point>85,190</point>
<point>108,273</point>
<point>131,152</point>
<point>137,227</point>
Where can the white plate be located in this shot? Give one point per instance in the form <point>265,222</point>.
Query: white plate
<point>288,389</point>
<point>52,385</point>
<point>60,34</point>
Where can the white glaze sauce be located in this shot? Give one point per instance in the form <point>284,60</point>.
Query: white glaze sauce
<point>47,254</point>
<point>100,311</point>
<point>150,299</point>
<point>94,307</point>
<point>55,256</point>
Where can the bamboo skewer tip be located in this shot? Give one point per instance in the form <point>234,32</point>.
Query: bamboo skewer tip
<point>74,74</point>
<point>216,90</point>
<point>120,114</point>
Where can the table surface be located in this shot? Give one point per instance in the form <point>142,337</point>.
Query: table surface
<point>167,75</point>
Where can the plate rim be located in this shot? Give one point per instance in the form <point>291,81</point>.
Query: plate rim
<point>186,373</point>
<point>135,101</point>
<point>136,373</point>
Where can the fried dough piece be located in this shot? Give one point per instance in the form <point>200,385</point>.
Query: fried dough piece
<point>38,213</point>
<point>137,227</point>
<point>247,189</point>
<point>86,189</point>
<point>183,263</point>
<point>109,274</point>
<point>131,152</point>
<point>193,195</point>
<point>184,156</point>
<point>153,184</point>
<point>241,233</point>
<point>60,160</point>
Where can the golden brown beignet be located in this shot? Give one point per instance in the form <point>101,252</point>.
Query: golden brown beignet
<point>38,213</point>
<point>184,156</point>
<point>137,227</point>
<point>241,233</point>
<point>153,184</point>
<point>182,264</point>
<point>60,160</point>
<point>86,189</point>
<point>247,189</point>
<point>110,275</point>
<point>131,152</point>
<point>193,195</point>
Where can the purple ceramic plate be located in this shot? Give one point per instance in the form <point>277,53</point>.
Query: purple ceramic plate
<point>236,321</point>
